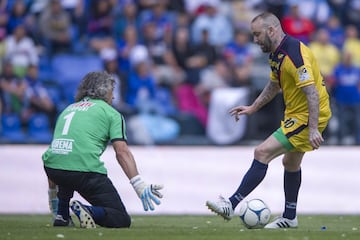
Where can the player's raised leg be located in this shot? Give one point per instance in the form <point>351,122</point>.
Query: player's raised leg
<point>266,151</point>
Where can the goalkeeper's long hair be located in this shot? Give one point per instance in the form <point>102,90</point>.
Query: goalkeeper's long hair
<point>95,85</point>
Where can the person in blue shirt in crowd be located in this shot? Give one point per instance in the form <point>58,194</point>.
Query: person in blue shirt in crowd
<point>346,91</point>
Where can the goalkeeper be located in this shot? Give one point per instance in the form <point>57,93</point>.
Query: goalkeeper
<point>72,161</point>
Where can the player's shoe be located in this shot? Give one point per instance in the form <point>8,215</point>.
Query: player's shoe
<point>59,221</point>
<point>222,207</point>
<point>281,222</point>
<point>83,214</point>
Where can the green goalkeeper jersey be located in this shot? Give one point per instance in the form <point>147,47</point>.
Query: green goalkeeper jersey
<point>81,135</point>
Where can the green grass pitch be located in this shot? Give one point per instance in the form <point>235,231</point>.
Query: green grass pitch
<point>173,227</point>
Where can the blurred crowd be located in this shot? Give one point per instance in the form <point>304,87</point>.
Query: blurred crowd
<point>168,57</point>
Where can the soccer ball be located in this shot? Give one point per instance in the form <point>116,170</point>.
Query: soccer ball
<point>255,213</point>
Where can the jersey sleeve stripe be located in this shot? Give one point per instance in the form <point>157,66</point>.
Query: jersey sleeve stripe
<point>118,139</point>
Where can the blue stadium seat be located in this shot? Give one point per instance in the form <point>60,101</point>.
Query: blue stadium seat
<point>45,71</point>
<point>69,69</point>
<point>69,92</point>
<point>72,68</point>
<point>12,131</point>
<point>39,129</point>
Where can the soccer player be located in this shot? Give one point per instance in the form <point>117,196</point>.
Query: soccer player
<point>295,72</point>
<point>72,161</point>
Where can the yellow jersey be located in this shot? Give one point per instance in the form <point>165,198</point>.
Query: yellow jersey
<point>327,56</point>
<point>293,66</point>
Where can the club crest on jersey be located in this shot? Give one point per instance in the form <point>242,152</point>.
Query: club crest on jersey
<point>280,56</point>
<point>303,74</point>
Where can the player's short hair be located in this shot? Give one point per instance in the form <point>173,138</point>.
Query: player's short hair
<point>95,85</point>
<point>268,18</point>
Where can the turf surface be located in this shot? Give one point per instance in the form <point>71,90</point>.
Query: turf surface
<point>169,227</point>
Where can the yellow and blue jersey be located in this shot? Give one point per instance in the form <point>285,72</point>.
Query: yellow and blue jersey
<point>293,66</point>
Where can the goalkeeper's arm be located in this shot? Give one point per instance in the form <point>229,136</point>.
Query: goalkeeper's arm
<point>148,193</point>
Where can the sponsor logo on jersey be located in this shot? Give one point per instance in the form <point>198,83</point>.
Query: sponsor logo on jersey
<point>62,146</point>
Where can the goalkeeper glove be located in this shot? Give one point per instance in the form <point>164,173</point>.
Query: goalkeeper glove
<point>148,193</point>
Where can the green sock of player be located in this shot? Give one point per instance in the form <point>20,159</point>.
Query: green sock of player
<point>292,182</point>
<point>251,180</point>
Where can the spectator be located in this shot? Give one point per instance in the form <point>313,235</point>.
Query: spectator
<point>216,76</point>
<point>248,9</point>
<point>37,99</point>
<point>182,21</point>
<point>219,27</point>
<point>190,103</point>
<point>144,94</point>
<point>55,28</point>
<point>125,45</point>
<point>239,57</point>
<point>152,124</point>
<point>111,66</point>
<point>164,66</point>
<point>100,25</point>
<point>18,16</point>
<point>317,11</point>
<point>141,84</point>
<point>346,89</point>
<point>351,13</point>
<point>76,10</point>
<point>157,36</point>
<point>160,19</point>
<point>326,54</point>
<point>12,89</point>
<point>21,51</point>
<point>296,25</point>
<point>181,47</point>
<point>2,48</point>
<point>202,55</point>
<point>196,7</point>
<point>177,6</point>
<point>192,60</point>
<point>4,18</point>
<point>352,43</point>
<point>336,31</point>
<point>127,18</point>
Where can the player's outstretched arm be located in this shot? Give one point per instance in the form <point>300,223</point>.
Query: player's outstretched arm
<point>267,94</point>
<point>148,193</point>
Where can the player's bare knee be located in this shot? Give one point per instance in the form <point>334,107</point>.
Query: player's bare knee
<point>261,154</point>
<point>291,166</point>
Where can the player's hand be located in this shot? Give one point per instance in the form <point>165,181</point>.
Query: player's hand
<point>240,110</point>
<point>148,193</point>
<point>315,138</point>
